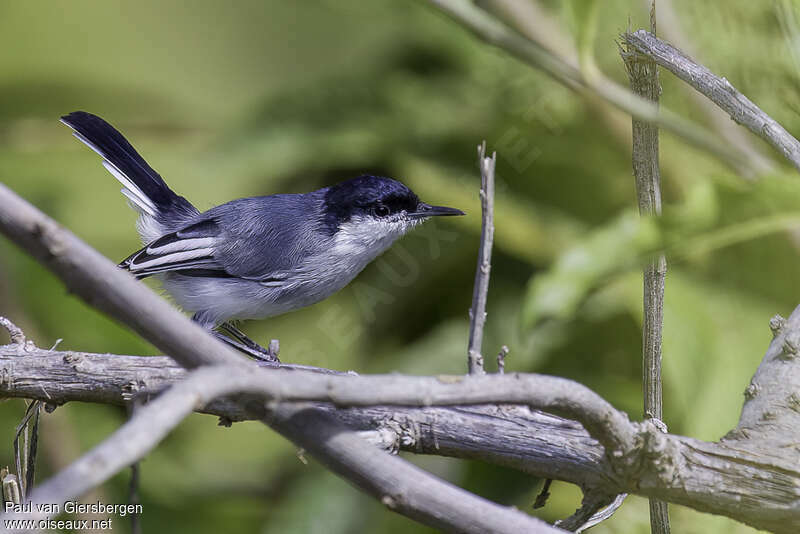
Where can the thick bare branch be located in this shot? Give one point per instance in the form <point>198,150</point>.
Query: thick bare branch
<point>401,486</point>
<point>744,479</point>
<point>514,436</point>
<point>719,90</point>
<point>477,312</point>
<point>771,413</point>
<point>552,394</point>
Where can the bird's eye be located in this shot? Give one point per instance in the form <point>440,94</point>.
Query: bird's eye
<point>380,210</point>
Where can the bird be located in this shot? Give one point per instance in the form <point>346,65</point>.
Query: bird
<point>254,257</point>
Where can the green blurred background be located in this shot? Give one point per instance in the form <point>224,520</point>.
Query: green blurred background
<point>248,98</point>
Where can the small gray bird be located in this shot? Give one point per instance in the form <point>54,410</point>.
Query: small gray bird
<point>254,257</point>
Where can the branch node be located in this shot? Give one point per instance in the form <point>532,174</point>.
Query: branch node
<point>660,425</point>
<point>793,402</point>
<point>15,332</point>
<point>385,437</point>
<point>475,362</point>
<point>389,502</point>
<point>776,324</point>
<point>751,391</point>
<point>129,391</point>
<point>501,359</point>
<point>790,347</point>
<point>274,347</point>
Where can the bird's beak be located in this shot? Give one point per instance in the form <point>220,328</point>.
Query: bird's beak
<point>426,210</point>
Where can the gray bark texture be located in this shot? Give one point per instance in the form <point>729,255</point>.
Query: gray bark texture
<point>752,474</point>
<point>643,75</point>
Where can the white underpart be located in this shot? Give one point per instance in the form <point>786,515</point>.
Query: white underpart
<point>367,237</point>
<point>353,247</point>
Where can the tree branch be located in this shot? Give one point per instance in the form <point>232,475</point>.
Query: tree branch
<point>477,313</point>
<point>401,487</point>
<point>719,90</point>
<point>643,75</point>
<point>514,436</point>
<point>103,285</point>
<point>671,29</point>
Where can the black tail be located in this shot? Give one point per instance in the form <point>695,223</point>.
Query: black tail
<point>142,185</point>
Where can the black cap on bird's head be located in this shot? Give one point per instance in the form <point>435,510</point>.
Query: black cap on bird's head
<point>379,197</point>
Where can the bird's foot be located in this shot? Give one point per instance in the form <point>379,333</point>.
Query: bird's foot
<point>238,340</point>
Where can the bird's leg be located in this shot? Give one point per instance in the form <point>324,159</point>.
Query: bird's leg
<point>254,349</point>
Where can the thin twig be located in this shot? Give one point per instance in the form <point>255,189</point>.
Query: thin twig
<point>671,29</point>
<point>643,74</point>
<point>33,448</point>
<point>544,494</point>
<point>496,33</point>
<point>719,90</point>
<point>22,457</point>
<point>477,312</point>
<point>133,485</point>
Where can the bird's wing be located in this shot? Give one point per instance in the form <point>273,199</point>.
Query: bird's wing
<point>190,251</point>
<point>259,239</point>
